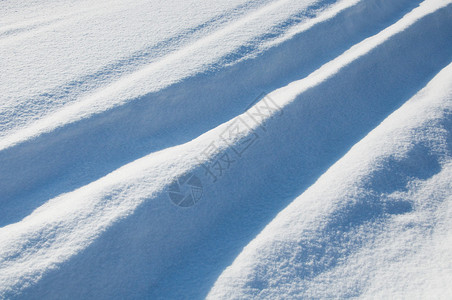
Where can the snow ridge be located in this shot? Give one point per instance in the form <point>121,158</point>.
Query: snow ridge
<point>84,177</point>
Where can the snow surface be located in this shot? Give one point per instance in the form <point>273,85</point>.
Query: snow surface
<point>338,186</point>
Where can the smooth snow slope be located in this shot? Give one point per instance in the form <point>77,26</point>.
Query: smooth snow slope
<point>105,105</point>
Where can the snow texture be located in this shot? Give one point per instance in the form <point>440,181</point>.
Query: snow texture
<point>272,149</point>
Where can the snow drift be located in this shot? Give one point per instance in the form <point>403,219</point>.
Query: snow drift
<point>337,185</point>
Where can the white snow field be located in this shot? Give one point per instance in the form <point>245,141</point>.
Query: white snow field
<point>273,149</point>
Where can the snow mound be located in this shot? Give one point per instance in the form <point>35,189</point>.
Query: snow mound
<point>242,149</point>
